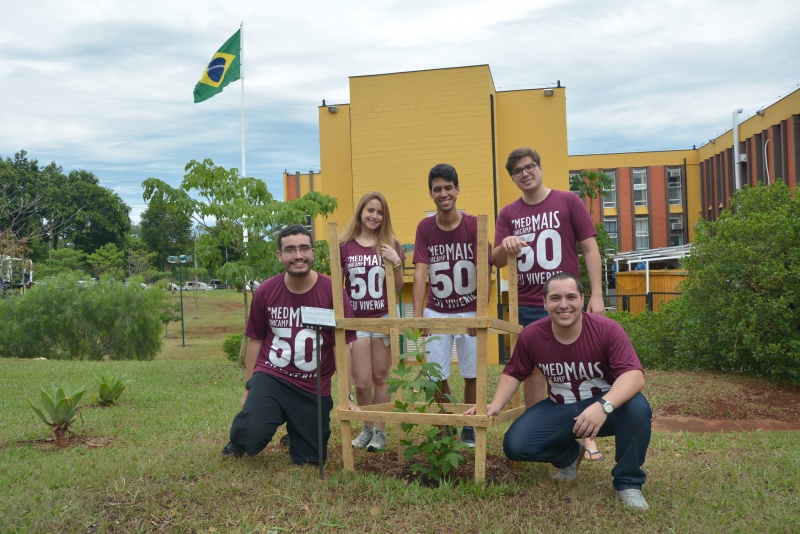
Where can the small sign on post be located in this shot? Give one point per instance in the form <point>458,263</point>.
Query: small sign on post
<point>318,318</point>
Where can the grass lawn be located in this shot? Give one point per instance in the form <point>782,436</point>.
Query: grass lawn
<point>153,462</point>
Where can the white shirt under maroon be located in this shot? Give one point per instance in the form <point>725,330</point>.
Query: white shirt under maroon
<point>451,256</point>
<point>365,278</point>
<point>288,350</point>
<point>578,371</point>
<point>552,228</point>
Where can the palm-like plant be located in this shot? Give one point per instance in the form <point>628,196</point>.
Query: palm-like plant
<point>111,387</point>
<point>62,407</point>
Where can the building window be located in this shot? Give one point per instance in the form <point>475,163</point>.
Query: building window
<point>310,227</point>
<point>639,187</point>
<point>610,201</point>
<point>642,233</point>
<point>611,228</point>
<point>675,185</point>
<point>675,230</point>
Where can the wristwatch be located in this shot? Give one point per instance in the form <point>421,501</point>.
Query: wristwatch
<point>607,406</point>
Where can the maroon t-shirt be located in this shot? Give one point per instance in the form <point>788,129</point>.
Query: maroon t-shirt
<point>451,256</point>
<point>365,275</point>
<point>578,371</point>
<point>552,228</point>
<point>288,350</point>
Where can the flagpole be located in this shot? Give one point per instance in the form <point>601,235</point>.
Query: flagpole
<point>241,76</point>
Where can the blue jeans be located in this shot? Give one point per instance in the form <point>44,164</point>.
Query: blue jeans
<point>529,314</point>
<point>543,433</point>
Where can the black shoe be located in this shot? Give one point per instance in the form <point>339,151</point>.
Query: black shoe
<point>468,436</point>
<point>231,451</point>
<point>285,440</point>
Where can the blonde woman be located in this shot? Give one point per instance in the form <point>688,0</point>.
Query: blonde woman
<point>368,247</point>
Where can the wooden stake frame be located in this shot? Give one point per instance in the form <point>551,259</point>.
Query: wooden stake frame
<point>394,326</point>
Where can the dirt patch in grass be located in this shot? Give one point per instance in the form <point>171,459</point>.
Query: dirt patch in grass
<point>499,469</point>
<point>73,440</point>
<point>747,405</point>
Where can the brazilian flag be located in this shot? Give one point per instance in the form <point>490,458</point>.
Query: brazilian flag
<point>222,70</point>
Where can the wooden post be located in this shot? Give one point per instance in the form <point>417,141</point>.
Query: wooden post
<point>393,325</point>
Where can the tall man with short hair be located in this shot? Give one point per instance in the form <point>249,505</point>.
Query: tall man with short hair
<point>445,253</point>
<point>543,228</point>
<point>281,363</point>
<point>595,381</point>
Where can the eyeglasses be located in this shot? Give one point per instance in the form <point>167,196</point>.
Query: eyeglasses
<point>303,249</point>
<point>516,173</point>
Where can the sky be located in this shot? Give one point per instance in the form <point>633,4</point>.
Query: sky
<point>106,86</point>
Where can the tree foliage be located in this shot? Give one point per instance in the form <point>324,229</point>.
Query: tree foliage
<point>166,230</point>
<point>61,319</point>
<point>740,308</point>
<point>41,206</point>
<point>225,204</point>
<point>593,185</point>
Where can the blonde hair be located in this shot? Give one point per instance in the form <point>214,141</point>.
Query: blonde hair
<point>384,234</point>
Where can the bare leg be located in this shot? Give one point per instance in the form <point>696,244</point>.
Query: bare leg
<point>381,365</point>
<point>535,388</point>
<point>470,389</point>
<point>362,372</point>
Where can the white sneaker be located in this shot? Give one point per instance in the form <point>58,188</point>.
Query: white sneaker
<point>633,498</point>
<point>378,441</point>
<point>568,474</point>
<point>363,439</point>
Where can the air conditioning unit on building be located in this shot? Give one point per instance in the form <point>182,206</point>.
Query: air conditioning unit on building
<point>676,226</point>
<point>742,158</point>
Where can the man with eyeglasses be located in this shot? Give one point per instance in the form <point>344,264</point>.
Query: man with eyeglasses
<point>543,228</point>
<point>281,367</point>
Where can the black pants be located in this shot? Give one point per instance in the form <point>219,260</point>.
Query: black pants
<point>272,402</point>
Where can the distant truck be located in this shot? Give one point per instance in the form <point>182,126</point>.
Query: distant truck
<point>15,273</point>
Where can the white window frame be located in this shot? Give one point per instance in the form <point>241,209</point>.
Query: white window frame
<point>639,177</point>
<point>610,201</point>
<point>673,172</point>
<point>642,232</point>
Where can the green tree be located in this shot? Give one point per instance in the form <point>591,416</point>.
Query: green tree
<point>99,215</point>
<point>233,203</point>
<point>593,185</point>
<point>740,308</point>
<point>61,319</point>
<point>107,262</point>
<point>166,230</point>
<point>62,260</point>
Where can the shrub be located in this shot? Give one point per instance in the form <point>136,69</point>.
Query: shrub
<point>110,388</point>
<point>232,346</point>
<point>61,407</point>
<point>651,335</point>
<point>442,450</point>
<point>62,319</point>
<point>741,301</point>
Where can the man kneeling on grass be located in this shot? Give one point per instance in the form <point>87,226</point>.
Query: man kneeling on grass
<point>281,365</point>
<point>594,383</point>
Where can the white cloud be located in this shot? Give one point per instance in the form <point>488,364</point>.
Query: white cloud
<point>106,86</point>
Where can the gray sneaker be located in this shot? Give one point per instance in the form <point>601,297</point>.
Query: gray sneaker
<point>378,441</point>
<point>468,436</point>
<point>633,498</point>
<point>568,474</point>
<point>363,439</point>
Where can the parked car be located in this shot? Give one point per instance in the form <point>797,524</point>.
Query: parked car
<point>252,285</point>
<point>216,283</point>
<point>191,286</point>
<point>173,287</point>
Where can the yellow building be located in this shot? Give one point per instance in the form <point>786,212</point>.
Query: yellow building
<point>399,125</point>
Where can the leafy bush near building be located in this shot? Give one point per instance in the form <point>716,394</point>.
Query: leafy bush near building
<point>740,305</point>
<point>740,308</point>
<point>61,318</point>
<point>651,336</point>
